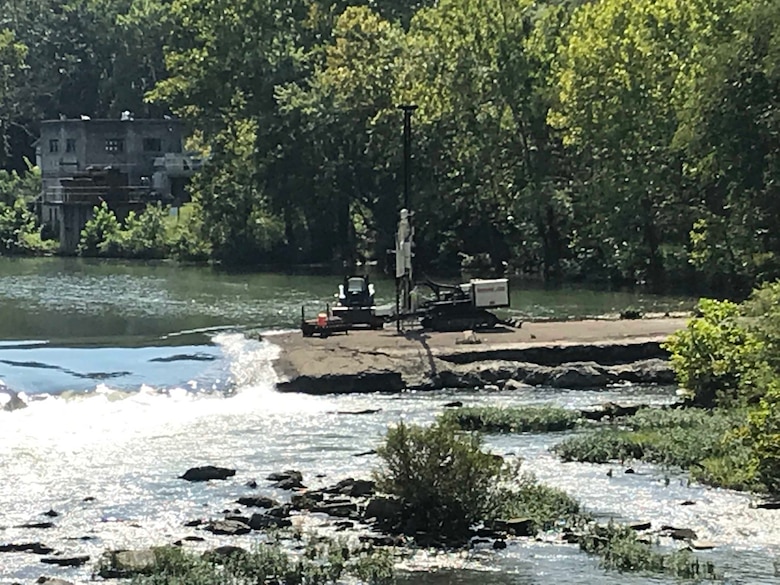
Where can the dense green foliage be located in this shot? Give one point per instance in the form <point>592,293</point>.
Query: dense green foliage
<point>631,141</point>
<point>323,561</point>
<point>448,483</point>
<point>492,419</point>
<point>154,233</point>
<point>20,232</point>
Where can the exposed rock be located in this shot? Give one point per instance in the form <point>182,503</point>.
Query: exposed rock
<point>364,411</point>
<point>345,383</point>
<point>630,470</point>
<point>193,523</point>
<point>640,526</point>
<point>234,518</point>
<point>356,488</point>
<point>384,540</point>
<point>516,526</point>
<point>37,525</point>
<point>66,561</point>
<point>9,400</point>
<point>454,404</point>
<point>679,533</point>
<point>207,473</point>
<point>288,474</point>
<point>224,552</point>
<point>288,484</point>
<point>702,545</point>
<point>282,511</point>
<point>688,503</point>
<point>251,484</point>
<point>122,564</point>
<point>265,521</point>
<point>578,375</point>
<point>258,502</point>
<point>89,499</point>
<point>337,509</point>
<point>227,527</point>
<point>499,544</point>
<point>387,511</point>
<point>52,581</point>
<point>768,505</point>
<point>30,547</point>
<point>306,501</point>
<point>364,453</point>
<point>51,514</point>
<point>514,385</point>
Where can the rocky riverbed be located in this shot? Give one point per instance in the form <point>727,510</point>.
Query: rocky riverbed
<point>570,354</point>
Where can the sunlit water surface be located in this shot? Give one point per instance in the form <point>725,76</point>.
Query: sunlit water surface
<point>135,373</point>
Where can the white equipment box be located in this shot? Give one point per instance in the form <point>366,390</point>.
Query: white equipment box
<point>490,293</point>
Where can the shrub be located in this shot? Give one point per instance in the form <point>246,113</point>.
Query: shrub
<point>491,419</point>
<point>26,186</point>
<point>100,232</point>
<point>763,433</point>
<point>19,230</point>
<point>145,235</point>
<point>716,357</point>
<point>447,482</point>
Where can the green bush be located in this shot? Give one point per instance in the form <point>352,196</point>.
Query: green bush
<point>447,482</point>
<point>145,235</point>
<point>763,434</point>
<point>716,357</point>
<point>491,419</point>
<point>322,562</point>
<point>14,186</point>
<point>101,234</point>
<point>19,230</point>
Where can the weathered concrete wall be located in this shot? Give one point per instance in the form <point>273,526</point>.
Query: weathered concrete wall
<point>573,354</point>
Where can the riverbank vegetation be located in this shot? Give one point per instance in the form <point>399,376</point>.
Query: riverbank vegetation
<point>728,431</point>
<point>324,561</point>
<point>615,141</point>
<point>494,419</point>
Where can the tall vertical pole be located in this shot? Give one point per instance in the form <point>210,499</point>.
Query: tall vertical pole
<point>404,281</point>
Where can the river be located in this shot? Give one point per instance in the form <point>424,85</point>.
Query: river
<point>135,372</point>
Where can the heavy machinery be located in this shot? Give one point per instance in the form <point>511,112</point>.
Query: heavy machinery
<point>355,305</point>
<point>464,306</point>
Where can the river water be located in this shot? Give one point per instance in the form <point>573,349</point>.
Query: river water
<point>135,372</point>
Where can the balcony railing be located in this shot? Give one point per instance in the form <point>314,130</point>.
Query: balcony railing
<point>96,195</point>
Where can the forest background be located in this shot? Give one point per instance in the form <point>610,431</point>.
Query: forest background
<point>614,140</point>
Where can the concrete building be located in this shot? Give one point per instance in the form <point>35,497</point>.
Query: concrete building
<point>127,163</point>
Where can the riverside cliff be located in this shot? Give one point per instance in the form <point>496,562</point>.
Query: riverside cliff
<point>571,354</point>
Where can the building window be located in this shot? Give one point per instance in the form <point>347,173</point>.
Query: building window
<point>54,145</point>
<point>152,145</point>
<point>70,145</point>
<point>115,145</point>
